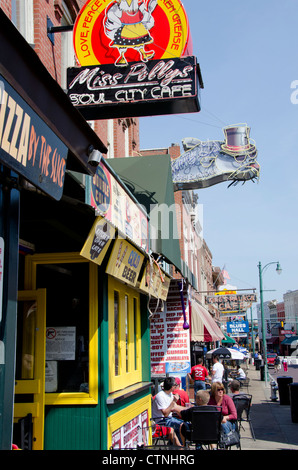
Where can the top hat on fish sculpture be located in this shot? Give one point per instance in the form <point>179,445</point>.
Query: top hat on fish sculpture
<point>238,141</point>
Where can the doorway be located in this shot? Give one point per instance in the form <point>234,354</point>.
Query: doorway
<point>30,370</point>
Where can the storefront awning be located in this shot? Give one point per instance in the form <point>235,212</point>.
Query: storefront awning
<point>203,327</point>
<point>289,341</point>
<point>149,179</point>
<point>228,340</point>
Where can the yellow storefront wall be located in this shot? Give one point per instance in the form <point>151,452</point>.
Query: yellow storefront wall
<point>123,417</point>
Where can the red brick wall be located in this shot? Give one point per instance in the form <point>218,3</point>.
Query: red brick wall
<point>5,5</point>
<point>49,54</point>
<point>121,127</point>
<point>100,127</point>
<point>161,151</point>
<point>134,138</point>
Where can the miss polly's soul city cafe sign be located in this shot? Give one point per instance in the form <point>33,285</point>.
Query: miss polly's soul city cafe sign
<point>132,52</point>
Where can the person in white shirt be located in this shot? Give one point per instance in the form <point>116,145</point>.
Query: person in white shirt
<point>217,370</point>
<point>164,403</point>
<point>240,374</point>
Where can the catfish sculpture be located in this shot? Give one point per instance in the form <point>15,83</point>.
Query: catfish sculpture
<point>204,164</point>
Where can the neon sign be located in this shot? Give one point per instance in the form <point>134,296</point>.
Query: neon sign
<point>207,163</point>
<point>122,31</point>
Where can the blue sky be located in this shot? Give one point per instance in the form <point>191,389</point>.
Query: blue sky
<point>249,57</point>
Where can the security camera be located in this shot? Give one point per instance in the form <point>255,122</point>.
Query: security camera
<point>94,157</point>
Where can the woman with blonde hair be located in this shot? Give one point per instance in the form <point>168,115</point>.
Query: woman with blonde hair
<point>218,397</point>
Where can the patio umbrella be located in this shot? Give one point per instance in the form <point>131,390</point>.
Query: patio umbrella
<point>242,350</point>
<point>225,353</point>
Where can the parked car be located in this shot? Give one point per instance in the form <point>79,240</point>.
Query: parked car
<point>270,359</point>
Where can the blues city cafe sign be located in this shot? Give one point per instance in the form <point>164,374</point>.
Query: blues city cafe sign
<point>28,146</point>
<point>232,303</point>
<point>128,51</point>
<point>204,164</point>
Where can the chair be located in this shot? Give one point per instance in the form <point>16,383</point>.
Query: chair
<point>205,426</point>
<point>244,383</point>
<point>243,404</point>
<point>158,434</point>
<point>26,430</point>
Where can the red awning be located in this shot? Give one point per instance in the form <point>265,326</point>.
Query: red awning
<point>203,327</point>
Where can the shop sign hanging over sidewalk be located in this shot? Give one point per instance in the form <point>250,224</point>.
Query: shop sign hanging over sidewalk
<point>28,146</point>
<point>135,60</point>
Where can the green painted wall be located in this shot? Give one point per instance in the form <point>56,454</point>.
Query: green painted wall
<point>72,428</point>
<point>85,427</point>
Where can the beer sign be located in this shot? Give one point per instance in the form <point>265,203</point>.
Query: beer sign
<point>125,262</point>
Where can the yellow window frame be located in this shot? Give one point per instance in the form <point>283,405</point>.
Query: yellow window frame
<point>31,263</point>
<point>129,336</point>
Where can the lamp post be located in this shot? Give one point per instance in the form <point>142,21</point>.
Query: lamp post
<point>261,270</point>
<point>252,333</point>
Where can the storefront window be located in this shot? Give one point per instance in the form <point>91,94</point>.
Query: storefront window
<point>67,326</point>
<point>135,322</point>
<point>71,369</point>
<point>116,329</point>
<point>124,335</point>
<point>22,17</point>
<point>26,340</point>
<point>126,332</point>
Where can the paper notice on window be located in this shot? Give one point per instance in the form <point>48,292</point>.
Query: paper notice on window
<point>61,343</point>
<point>51,376</point>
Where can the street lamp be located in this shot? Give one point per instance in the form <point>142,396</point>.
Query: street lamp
<point>261,270</point>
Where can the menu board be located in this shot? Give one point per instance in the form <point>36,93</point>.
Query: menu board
<point>170,344</point>
<point>132,433</point>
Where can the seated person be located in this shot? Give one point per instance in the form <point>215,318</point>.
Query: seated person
<point>234,387</point>
<point>218,397</point>
<point>163,405</point>
<point>183,396</point>
<point>169,433</point>
<point>240,374</point>
<point>202,400</point>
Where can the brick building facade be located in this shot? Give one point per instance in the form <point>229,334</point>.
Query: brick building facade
<point>91,408</point>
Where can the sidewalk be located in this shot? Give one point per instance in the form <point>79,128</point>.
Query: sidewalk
<point>272,423</point>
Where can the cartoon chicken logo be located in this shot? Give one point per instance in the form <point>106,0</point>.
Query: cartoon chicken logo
<point>119,32</point>
<point>127,24</point>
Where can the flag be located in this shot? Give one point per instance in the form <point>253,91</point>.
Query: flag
<point>225,274</point>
